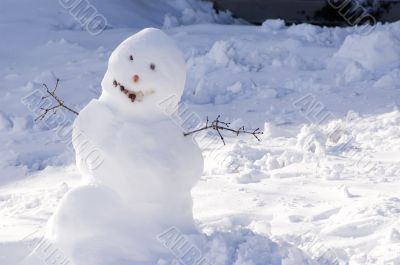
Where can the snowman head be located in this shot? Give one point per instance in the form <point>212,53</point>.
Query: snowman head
<point>144,70</point>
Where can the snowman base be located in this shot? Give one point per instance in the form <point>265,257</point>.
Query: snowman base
<point>93,226</point>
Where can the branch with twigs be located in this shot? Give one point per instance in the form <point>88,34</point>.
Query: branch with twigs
<point>219,126</point>
<point>59,102</point>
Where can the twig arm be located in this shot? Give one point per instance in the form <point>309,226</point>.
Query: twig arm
<point>219,126</point>
<point>60,103</point>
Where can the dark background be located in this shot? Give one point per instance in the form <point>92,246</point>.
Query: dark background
<point>317,12</point>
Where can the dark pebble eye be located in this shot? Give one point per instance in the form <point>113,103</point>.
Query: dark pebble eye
<point>153,66</point>
<point>131,57</point>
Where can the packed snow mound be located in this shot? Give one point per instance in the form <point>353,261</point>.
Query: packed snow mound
<point>372,51</point>
<point>311,139</point>
<point>243,247</point>
<point>273,24</point>
<point>189,12</point>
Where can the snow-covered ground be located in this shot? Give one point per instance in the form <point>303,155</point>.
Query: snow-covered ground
<point>325,178</point>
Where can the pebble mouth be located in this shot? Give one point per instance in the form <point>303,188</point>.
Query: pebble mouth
<point>133,96</point>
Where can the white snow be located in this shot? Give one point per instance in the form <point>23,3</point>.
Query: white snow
<point>322,185</point>
<point>381,48</point>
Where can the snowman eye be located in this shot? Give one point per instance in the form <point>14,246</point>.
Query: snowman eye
<point>152,66</point>
<point>131,57</point>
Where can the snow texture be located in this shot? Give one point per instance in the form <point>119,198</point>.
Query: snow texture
<point>320,188</point>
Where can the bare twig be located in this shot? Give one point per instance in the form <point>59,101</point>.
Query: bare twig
<point>55,108</point>
<point>219,126</point>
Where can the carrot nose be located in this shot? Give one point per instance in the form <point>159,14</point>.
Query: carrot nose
<point>136,78</point>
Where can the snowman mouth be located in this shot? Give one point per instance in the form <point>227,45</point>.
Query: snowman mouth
<point>132,95</point>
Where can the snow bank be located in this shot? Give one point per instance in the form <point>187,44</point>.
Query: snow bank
<point>373,51</point>
<point>65,15</point>
<point>166,13</point>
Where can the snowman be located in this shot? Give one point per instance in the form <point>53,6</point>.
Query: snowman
<point>142,187</point>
